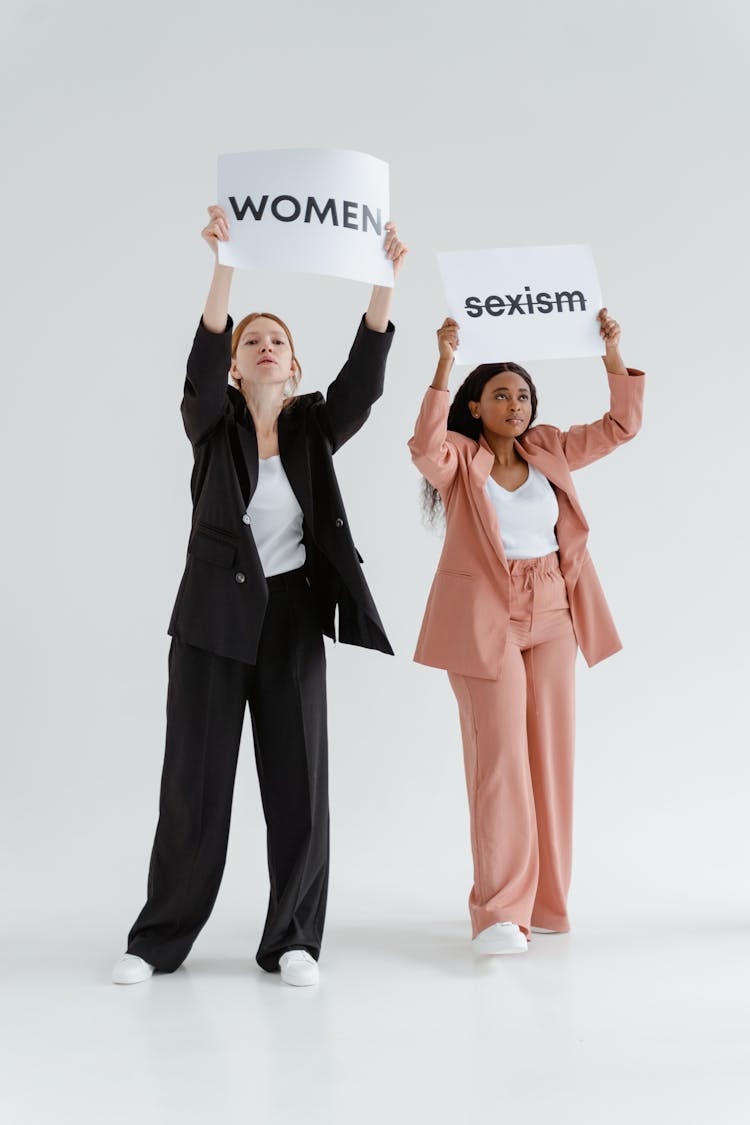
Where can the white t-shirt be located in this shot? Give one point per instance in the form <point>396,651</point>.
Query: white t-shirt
<point>526,517</point>
<point>276,519</point>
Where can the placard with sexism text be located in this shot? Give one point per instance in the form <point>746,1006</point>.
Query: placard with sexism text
<point>529,302</point>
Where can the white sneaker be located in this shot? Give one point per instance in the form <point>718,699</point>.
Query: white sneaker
<point>131,970</point>
<point>298,968</point>
<point>541,930</point>
<point>503,937</point>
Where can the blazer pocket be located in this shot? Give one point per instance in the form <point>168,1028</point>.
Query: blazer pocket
<point>216,532</point>
<point>212,547</point>
<point>455,573</point>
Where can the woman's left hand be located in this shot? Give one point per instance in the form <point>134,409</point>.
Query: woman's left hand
<point>379,310</point>
<point>395,249</point>
<point>609,330</point>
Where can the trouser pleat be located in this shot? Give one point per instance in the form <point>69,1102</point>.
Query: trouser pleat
<point>206,698</point>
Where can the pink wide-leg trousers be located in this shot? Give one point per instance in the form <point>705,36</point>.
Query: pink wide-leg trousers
<point>518,736</point>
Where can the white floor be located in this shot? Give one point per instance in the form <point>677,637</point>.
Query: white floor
<point>611,1024</point>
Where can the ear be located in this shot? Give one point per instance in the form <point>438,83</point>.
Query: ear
<point>474,409</point>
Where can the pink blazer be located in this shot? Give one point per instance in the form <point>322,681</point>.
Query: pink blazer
<point>466,619</point>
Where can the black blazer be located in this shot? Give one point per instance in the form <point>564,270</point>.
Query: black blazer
<point>222,598</point>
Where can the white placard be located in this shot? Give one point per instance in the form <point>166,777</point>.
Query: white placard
<point>306,210</point>
<point>530,302</point>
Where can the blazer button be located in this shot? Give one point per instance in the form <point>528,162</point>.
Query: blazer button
<point>246,518</point>
<point>239,577</point>
<point>339,522</point>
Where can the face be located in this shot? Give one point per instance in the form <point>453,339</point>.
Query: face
<point>504,408</point>
<point>264,354</point>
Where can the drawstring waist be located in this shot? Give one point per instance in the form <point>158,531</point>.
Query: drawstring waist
<point>529,570</point>
<point>525,576</point>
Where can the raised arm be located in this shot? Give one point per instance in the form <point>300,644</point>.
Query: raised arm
<point>360,382</point>
<point>217,302</point>
<point>379,310</point>
<point>205,394</point>
<point>431,452</point>
<point>584,444</point>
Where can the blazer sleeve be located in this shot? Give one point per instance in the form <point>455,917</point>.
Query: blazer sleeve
<point>204,398</point>
<point>357,386</point>
<point>584,444</point>
<point>432,453</point>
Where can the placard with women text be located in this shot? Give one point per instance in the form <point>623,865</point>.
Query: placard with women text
<point>529,302</point>
<point>306,211</point>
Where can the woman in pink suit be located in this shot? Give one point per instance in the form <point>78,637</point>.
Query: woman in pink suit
<point>515,595</point>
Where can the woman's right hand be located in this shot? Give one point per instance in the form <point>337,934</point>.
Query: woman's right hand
<point>217,228</point>
<point>447,335</point>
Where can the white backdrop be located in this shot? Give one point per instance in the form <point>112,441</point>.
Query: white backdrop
<point>621,125</point>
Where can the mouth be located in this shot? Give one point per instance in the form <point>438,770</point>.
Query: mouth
<point>262,361</point>
<point>515,421</point>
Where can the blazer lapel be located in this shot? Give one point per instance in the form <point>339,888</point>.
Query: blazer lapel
<point>479,471</point>
<point>246,460</point>
<point>244,444</point>
<point>293,450</point>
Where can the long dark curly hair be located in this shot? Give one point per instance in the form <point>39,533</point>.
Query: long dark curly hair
<point>462,421</point>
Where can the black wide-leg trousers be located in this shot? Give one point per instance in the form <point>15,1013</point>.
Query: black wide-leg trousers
<point>286,693</point>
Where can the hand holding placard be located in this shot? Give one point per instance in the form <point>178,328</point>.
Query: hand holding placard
<point>448,340</point>
<point>216,229</point>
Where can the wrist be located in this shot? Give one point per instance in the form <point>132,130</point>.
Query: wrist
<point>614,362</point>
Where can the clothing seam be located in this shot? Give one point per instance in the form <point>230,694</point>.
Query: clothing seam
<point>473,811</point>
<point>199,836</point>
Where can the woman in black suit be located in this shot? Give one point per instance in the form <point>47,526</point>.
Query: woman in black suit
<point>270,559</point>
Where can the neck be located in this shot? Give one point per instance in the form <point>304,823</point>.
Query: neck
<point>504,449</point>
<point>265,404</point>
